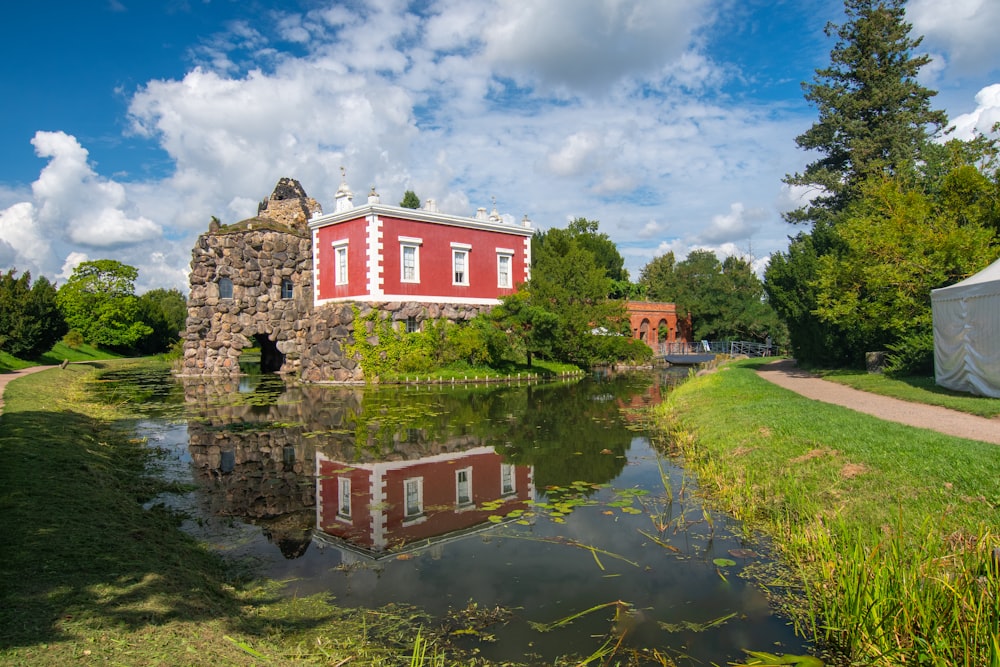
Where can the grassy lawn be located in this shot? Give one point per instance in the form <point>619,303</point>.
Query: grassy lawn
<point>89,576</point>
<point>888,528</point>
<point>915,389</point>
<point>59,353</point>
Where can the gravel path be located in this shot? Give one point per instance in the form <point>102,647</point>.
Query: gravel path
<point>784,373</point>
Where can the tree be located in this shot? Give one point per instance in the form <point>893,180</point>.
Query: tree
<point>99,301</point>
<point>875,119</point>
<point>410,200</point>
<point>873,114</point>
<point>165,311</point>
<point>898,245</point>
<point>30,321</point>
<point>726,299</point>
<point>585,234</point>
<point>555,314</point>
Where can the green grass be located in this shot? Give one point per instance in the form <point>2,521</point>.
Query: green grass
<point>59,353</point>
<point>89,576</point>
<point>916,390</point>
<point>889,527</point>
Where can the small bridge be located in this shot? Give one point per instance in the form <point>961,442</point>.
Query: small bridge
<point>685,353</point>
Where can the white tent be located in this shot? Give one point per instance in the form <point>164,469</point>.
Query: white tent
<point>967,333</point>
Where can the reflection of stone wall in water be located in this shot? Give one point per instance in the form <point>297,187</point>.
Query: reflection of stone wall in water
<point>254,452</point>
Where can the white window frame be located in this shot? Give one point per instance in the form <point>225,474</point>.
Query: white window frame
<point>508,485</point>
<point>466,499</point>
<point>463,250</point>
<point>290,292</point>
<point>341,270</point>
<point>417,484</point>
<point>409,243</point>
<point>508,255</point>
<point>344,497</point>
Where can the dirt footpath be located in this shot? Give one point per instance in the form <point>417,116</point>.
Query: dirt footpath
<point>785,374</point>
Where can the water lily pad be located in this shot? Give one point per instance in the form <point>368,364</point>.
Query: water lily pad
<point>724,562</point>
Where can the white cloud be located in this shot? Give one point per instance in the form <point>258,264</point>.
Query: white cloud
<point>589,44</point>
<point>607,109</point>
<point>963,29</point>
<point>983,119</point>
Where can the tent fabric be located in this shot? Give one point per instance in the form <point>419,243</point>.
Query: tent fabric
<point>966,319</point>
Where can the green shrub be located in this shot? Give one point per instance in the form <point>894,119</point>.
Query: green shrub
<point>912,355</point>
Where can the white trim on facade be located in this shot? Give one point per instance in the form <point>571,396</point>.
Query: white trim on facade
<point>418,215</point>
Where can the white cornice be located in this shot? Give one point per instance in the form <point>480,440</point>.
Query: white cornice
<point>418,215</point>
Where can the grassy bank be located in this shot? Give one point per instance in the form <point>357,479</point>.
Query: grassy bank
<point>889,528</point>
<point>89,575</point>
<point>59,353</point>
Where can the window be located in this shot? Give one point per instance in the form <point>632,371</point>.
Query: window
<point>344,497</point>
<point>287,289</point>
<point>414,491</point>
<point>504,261</point>
<point>411,325</point>
<point>463,486</point>
<point>409,259</point>
<point>460,263</point>
<point>506,479</point>
<point>225,288</point>
<point>340,262</point>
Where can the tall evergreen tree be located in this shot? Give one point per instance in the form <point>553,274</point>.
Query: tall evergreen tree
<point>875,120</point>
<point>873,114</point>
<point>410,200</point>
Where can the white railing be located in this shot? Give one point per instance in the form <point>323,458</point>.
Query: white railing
<point>730,347</point>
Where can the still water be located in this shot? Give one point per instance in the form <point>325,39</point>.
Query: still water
<point>542,500</point>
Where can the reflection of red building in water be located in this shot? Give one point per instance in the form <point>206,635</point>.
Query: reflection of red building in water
<point>375,507</point>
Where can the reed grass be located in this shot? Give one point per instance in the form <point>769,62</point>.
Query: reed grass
<point>890,529</point>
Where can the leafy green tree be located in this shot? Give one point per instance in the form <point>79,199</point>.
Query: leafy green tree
<point>897,246</point>
<point>410,200</point>
<point>567,281</point>
<point>165,311</point>
<point>30,321</point>
<point>99,301</point>
<point>586,235</point>
<point>873,114</point>
<point>726,299</point>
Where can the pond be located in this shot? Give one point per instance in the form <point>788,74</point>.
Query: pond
<point>544,503</point>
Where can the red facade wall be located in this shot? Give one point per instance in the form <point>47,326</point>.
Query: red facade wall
<point>357,251</point>
<point>435,261</point>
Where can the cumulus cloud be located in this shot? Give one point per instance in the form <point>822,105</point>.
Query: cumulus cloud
<point>983,119</point>
<point>72,206</point>
<point>963,29</point>
<point>588,44</point>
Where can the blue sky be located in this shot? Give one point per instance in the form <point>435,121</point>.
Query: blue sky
<point>127,124</point>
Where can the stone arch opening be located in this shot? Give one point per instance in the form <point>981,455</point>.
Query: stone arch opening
<point>271,360</point>
<point>644,330</point>
<point>663,331</point>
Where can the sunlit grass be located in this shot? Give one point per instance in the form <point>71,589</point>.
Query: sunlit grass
<point>887,524</point>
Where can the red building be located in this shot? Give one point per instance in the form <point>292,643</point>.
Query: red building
<point>658,325</point>
<point>381,253</point>
<point>378,508</point>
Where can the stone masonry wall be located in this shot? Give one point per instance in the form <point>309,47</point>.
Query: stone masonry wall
<point>257,261</point>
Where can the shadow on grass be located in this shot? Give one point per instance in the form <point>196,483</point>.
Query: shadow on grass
<point>80,555</point>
